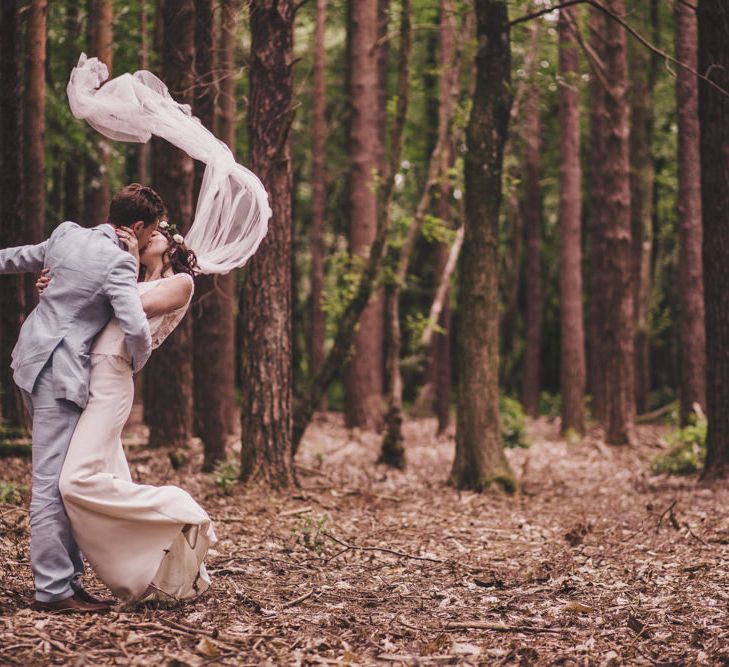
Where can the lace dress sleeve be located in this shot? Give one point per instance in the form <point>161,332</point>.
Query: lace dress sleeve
<point>163,325</point>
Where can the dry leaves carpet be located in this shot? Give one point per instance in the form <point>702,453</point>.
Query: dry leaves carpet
<point>596,562</point>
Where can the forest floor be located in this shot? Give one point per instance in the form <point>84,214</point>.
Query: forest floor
<point>594,562</point>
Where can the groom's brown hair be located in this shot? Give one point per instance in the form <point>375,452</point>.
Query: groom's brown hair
<point>136,202</point>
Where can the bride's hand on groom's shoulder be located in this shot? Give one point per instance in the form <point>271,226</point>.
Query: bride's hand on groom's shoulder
<point>43,281</point>
<point>130,240</point>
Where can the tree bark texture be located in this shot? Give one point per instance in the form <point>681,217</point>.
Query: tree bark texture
<point>317,333</point>
<point>212,307</point>
<point>480,460</point>
<point>168,383</point>
<point>533,269</point>
<point>642,178</point>
<point>598,223</point>
<point>364,374</point>
<point>713,54</point>
<point>572,333</point>
<point>441,346</point>
<point>99,40</point>
<point>266,296</point>
<point>12,232</point>
<point>73,166</point>
<point>691,332</point>
<point>619,333</point>
<point>34,126</point>
<point>143,149</point>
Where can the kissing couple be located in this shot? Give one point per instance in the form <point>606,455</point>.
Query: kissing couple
<point>95,325</point>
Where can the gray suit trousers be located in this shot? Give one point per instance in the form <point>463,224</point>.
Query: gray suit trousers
<point>55,558</point>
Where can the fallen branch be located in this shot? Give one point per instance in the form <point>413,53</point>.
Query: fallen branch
<point>298,510</point>
<point>497,627</point>
<point>381,549</point>
<point>301,598</point>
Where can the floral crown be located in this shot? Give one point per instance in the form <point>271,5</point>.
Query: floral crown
<point>171,229</point>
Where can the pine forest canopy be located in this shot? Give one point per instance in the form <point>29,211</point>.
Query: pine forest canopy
<point>466,206</point>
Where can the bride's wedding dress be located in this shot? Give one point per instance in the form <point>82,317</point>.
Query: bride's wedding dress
<point>133,535</point>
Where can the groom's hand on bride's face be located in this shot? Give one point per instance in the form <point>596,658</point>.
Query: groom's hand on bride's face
<point>43,281</point>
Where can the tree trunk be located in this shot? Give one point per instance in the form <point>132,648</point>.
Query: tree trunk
<point>642,177</point>
<point>692,349</point>
<point>168,376</point>
<point>572,334</point>
<point>72,166</point>
<point>12,298</point>
<point>143,149</point>
<point>533,242</point>
<point>598,223</point>
<point>212,307</point>
<point>713,22</point>
<point>480,460</point>
<point>363,377</point>
<point>266,296</point>
<point>99,39</point>
<point>618,298</point>
<point>441,346</point>
<point>317,333</point>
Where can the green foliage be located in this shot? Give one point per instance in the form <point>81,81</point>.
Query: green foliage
<point>513,423</point>
<point>550,405</point>
<point>11,493</point>
<point>226,476</point>
<point>311,533</point>
<point>687,453</point>
<point>343,277</point>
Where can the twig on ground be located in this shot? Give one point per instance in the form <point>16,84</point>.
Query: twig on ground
<point>298,510</point>
<point>497,627</point>
<point>301,598</point>
<point>381,549</point>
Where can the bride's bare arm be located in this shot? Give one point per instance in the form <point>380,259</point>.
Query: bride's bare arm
<point>169,295</point>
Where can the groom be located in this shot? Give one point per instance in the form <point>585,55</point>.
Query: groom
<point>93,278</point>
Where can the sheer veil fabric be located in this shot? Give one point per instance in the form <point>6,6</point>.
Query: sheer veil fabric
<point>232,212</point>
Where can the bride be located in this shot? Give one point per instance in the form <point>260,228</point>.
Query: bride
<point>144,542</point>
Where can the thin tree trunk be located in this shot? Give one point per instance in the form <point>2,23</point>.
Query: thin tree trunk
<point>317,333</point>
<point>363,377</point>
<point>533,270</point>
<point>619,333</point>
<point>168,381</point>
<point>72,166</point>
<point>598,223</point>
<point>572,336</point>
<point>713,55</point>
<point>642,177</point>
<point>34,127</point>
<point>480,460</point>
<point>143,149</point>
<point>212,307</point>
<point>266,296</point>
<point>441,347</point>
<point>99,39</point>
<point>12,298</point>
<point>226,132</point>
<point>692,350</point>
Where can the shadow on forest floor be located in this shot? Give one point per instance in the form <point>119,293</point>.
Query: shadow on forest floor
<point>595,562</point>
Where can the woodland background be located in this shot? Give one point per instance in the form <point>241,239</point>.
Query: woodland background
<point>379,129</point>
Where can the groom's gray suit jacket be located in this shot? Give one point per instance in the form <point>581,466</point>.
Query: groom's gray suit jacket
<point>93,278</point>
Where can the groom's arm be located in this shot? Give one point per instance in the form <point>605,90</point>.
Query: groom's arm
<point>23,259</point>
<point>121,288</point>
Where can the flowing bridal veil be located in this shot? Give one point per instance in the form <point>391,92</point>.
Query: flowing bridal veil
<point>232,212</point>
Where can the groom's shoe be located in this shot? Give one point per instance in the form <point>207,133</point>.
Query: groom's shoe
<point>85,596</point>
<point>71,605</point>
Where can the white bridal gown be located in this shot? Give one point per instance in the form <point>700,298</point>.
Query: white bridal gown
<point>133,535</point>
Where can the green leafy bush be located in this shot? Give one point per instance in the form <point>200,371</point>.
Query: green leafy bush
<point>10,493</point>
<point>226,476</point>
<point>550,405</point>
<point>687,451</point>
<point>513,423</point>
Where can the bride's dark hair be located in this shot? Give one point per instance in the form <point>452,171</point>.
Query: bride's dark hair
<point>178,256</point>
